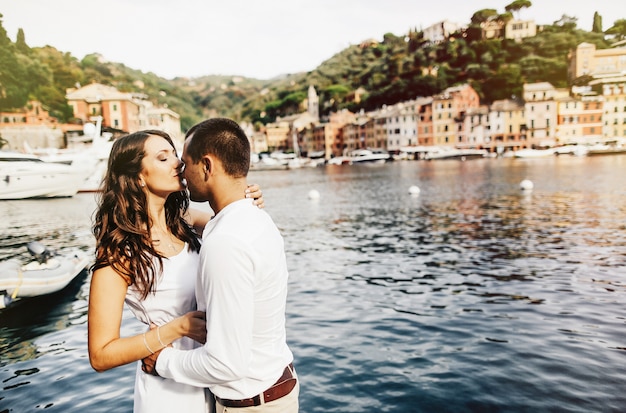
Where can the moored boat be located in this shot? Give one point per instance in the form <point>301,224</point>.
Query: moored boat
<point>454,153</point>
<point>368,156</point>
<point>25,176</point>
<point>48,273</point>
<point>534,153</point>
<point>607,149</point>
<point>358,156</point>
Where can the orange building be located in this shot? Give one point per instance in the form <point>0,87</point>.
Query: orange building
<point>121,112</point>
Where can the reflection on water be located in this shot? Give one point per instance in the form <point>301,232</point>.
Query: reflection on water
<point>473,296</point>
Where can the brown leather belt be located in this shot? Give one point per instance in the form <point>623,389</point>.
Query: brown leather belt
<point>283,386</point>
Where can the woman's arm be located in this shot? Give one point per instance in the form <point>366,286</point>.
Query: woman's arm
<point>106,304</point>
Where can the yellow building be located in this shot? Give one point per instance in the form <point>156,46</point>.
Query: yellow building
<point>614,116</point>
<point>448,109</point>
<point>587,60</point>
<point>520,29</point>
<point>507,126</point>
<point>579,119</point>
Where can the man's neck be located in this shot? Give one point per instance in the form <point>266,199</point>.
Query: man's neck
<point>229,191</point>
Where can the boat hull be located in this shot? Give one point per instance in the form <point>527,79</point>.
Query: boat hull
<point>455,154</point>
<point>28,179</point>
<point>603,152</point>
<point>534,153</point>
<point>361,156</point>
<point>34,279</point>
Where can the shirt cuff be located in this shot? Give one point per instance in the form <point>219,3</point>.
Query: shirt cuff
<point>163,362</point>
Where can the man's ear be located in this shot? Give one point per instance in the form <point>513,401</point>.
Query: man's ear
<point>207,163</point>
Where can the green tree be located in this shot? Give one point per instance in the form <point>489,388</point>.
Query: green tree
<point>517,5</point>
<point>504,83</point>
<point>567,23</point>
<point>597,23</point>
<point>541,69</point>
<point>20,43</point>
<point>481,16</point>
<point>13,90</point>
<point>618,29</point>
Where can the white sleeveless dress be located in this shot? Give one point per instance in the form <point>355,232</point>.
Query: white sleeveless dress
<point>175,296</point>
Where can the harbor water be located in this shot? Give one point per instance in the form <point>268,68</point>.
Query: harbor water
<point>473,296</point>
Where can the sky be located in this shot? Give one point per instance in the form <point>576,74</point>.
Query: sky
<point>252,38</point>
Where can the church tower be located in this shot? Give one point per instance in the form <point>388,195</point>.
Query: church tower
<point>314,103</point>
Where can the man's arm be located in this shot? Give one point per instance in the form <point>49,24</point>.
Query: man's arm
<point>227,283</point>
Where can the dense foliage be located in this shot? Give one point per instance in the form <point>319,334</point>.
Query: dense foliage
<point>395,69</point>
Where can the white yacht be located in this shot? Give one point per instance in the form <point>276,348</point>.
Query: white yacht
<point>534,153</point>
<point>455,153</point>
<point>359,156</point>
<point>368,156</point>
<point>27,176</point>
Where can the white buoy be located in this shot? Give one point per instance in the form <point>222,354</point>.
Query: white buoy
<point>314,194</point>
<point>414,190</point>
<point>526,185</point>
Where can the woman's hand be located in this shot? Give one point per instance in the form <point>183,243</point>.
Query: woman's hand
<point>254,191</point>
<point>193,325</point>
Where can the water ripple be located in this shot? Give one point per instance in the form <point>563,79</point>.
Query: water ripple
<point>471,297</point>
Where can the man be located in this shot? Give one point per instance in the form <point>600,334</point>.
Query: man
<point>242,284</point>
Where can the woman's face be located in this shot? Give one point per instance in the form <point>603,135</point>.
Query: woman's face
<point>161,170</point>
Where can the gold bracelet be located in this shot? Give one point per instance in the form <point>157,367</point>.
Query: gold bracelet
<point>159,337</point>
<point>146,343</point>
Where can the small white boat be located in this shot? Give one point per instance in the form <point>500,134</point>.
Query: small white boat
<point>339,160</point>
<point>48,273</point>
<point>606,149</point>
<point>267,163</point>
<point>25,176</point>
<point>368,156</point>
<point>454,153</point>
<point>534,153</point>
<point>358,156</point>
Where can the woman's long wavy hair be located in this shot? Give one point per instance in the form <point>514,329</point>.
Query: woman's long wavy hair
<point>122,223</point>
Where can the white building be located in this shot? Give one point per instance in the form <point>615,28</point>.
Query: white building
<point>541,112</point>
<point>440,31</point>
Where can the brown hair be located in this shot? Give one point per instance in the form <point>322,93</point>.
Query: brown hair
<point>122,223</point>
<point>223,138</point>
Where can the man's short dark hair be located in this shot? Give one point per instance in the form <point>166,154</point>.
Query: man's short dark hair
<point>223,138</point>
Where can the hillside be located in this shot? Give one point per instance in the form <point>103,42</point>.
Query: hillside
<point>399,67</point>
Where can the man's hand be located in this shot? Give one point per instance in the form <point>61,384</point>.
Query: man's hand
<point>148,365</point>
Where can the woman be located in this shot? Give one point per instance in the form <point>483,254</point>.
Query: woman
<point>147,256</point>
